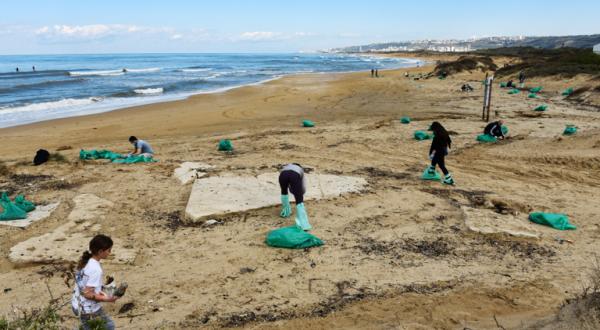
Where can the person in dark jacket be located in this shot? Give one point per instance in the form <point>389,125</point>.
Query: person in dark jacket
<point>495,129</point>
<point>440,146</point>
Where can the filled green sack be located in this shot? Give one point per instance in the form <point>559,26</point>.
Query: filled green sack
<point>307,123</point>
<point>11,211</point>
<point>420,136</point>
<point>98,154</point>
<point>504,129</point>
<point>554,220</point>
<point>536,89</point>
<point>532,96</point>
<point>292,238</point>
<point>514,91</point>
<point>486,138</point>
<point>431,177</point>
<point>134,159</point>
<point>570,130</point>
<point>567,92</point>
<point>405,120</point>
<point>24,204</point>
<point>502,85</point>
<point>542,107</point>
<point>225,145</point>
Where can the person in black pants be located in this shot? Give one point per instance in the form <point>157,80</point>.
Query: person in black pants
<point>439,150</point>
<point>495,129</point>
<point>292,179</point>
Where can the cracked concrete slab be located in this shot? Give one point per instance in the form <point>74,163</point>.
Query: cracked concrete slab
<point>41,212</point>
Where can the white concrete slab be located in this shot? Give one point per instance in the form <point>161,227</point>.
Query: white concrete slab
<point>68,241</point>
<point>41,212</point>
<point>228,194</point>
<point>189,171</point>
<point>489,222</point>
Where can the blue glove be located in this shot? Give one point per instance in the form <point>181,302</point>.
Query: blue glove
<point>302,217</point>
<point>286,209</point>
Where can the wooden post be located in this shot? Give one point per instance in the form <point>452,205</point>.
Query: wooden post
<point>489,105</point>
<point>487,98</point>
<point>485,93</point>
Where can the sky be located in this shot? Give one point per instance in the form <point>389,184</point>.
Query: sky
<point>177,26</point>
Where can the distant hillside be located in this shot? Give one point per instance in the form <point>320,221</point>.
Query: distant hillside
<point>581,41</point>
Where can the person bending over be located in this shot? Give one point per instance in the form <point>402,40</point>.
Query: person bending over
<point>292,178</point>
<point>140,147</point>
<point>439,150</point>
<point>495,129</point>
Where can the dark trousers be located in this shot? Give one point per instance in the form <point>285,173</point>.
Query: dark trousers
<point>292,181</point>
<point>438,159</point>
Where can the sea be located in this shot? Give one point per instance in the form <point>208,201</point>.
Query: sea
<point>58,86</point>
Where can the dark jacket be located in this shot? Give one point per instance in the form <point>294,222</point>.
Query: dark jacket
<point>493,129</point>
<point>440,145</point>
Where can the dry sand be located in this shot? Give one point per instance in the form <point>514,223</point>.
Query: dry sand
<point>398,256</point>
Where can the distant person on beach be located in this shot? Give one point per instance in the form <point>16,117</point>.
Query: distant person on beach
<point>510,84</point>
<point>17,69</point>
<point>88,294</point>
<point>494,129</point>
<point>124,70</point>
<point>140,147</point>
<point>521,78</point>
<point>440,146</point>
<point>377,73</point>
<point>292,178</point>
<point>33,68</point>
<point>372,72</point>
<point>406,74</point>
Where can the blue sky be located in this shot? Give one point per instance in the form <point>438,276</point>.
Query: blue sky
<point>108,26</point>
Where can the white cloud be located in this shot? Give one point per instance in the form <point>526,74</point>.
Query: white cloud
<point>83,33</point>
<point>176,36</point>
<point>262,36</point>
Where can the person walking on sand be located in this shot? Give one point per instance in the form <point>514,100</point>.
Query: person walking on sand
<point>140,147</point>
<point>522,78</point>
<point>372,72</point>
<point>440,146</point>
<point>377,73</point>
<point>88,294</point>
<point>292,178</point>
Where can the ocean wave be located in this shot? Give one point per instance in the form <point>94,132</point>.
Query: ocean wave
<point>97,73</point>
<point>158,90</point>
<point>48,83</point>
<point>44,106</point>
<point>143,70</point>
<point>194,70</point>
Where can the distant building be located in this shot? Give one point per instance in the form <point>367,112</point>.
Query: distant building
<point>597,49</point>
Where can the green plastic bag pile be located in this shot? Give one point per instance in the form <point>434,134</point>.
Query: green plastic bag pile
<point>536,89</point>
<point>292,238</point>
<point>435,176</point>
<point>225,145</point>
<point>514,91</point>
<point>567,92</point>
<point>542,107</point>
<point>17,210</point>
<point>420,136</point>
<point>502,85</point>
<point>308,123</point>
<point>554,220</point>
<point>134,159</point>
<point>486,138</point>
<point>504,129</point>
<point>570,130</point>
<point>405,120</point>
<point>114,157</point>
<point>532,96</point>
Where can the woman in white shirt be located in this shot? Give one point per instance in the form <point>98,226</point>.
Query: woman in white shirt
<point>88,294</point>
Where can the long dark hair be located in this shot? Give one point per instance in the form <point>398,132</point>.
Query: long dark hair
<point>98,243</point>
<point>440,131</point>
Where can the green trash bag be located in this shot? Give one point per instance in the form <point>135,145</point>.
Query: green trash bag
<point>307,123</point>
<point>502,85</point>
<point>570,130</point>
<point>11,211</point>
<point>292,238</point>
<point>542,107</point>
<point>99,154</point>
<point>554,220</point>
<point>420,136</point>
<point>504,129</point>
<point>532,96</point>
<point>24,204</point>
<point>405,120</point>
<point>567,92</point>
<point>486,138</point>
<point>536,89</point>
<point>514,91</point>
<point>225,145</point>
<point>134,159</point>
<point>435,176</point>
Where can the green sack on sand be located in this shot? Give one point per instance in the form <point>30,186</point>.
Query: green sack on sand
<point>554,220</point>
<point>532,96</point>
<point>225,145</point>
<point>429,176</point>
<point>420,136</point>
<point>570,130</point>
<point>24,204</point>
<point>536,89</point>
<point>542,107</point>
<point>514,91</point>
<point>485,138</point>
<point>567,92</point>
<point>99,154</point>
<point>292,238</point>
<point>134,159</point>
<point>502,85</point>
<point>11,211</point>
<point>307,123</point>
<point>405,120</point>
<point>504,129</point>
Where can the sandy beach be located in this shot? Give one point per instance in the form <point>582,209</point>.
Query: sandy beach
<point>402,254</point>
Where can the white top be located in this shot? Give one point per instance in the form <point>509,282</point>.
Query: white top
<point>89,276</point>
